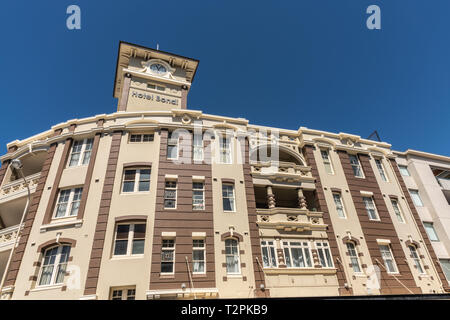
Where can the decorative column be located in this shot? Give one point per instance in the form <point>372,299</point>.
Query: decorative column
<point>280,254</point>
<point>125,91</point>
<point>270,197</point>
<point>301,199</point>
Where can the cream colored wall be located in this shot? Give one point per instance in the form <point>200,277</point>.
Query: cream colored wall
<point>341,226</point>
<point>234,287</point>
<point>83,235</point>
<point>130,271</point>
<point>427,282</point>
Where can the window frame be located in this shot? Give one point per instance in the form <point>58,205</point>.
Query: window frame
<point>387,245</point>
<point>358,165</point>
<point>172,248</point>
<point>69,204</point>
<point>324,247</point>
<point>398,210</point>
<point>203,195</point>
<point>341,204</point>
<point>137,180</point>
<point>327,161</point>
<point>130,239</point>
<point>238,254</point>
<point>289,246</point>
<point>381,169</point>
<point>416,196</point>
<point>225,149</point>
<point>56,265</point>
<point>271,258</point>
<point>372,202</point>
<point>427,225</point>
<point>354,257</point>
<point>445,269</point>
<point>83,152</point>
<point>170,142</point>
<point>401,168</point>
<point>122,290</point>
<point>414,254</point>
<point>175,189</point>
<point>203,249</point>
<point>233,196</point>
<point>141,137</point>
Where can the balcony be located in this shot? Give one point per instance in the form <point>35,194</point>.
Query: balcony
<point>17,188</point>
<point>290,219</point>
<point>7,236</point>
<point>281,171</point>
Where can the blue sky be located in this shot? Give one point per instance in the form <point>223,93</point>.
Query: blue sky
<point>279,63</point>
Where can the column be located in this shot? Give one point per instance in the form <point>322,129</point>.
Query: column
<point>270,197</point>
<point>301,199</point>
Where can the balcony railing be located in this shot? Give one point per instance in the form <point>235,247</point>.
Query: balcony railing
<point>284,171</point>
<point>290,219</point>
<point>445,183</point>
<point>17,187</point>
<point>7,236</point>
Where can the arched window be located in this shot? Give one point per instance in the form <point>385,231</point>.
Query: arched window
<point>353,254</point>
<point>54,265</point>
<point>416,258</point>
<point>232,256</point>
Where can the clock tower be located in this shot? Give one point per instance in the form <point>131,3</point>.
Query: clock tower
<point>151,80</point>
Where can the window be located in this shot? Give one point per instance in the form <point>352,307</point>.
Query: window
<point>430,231</point>
<point>323,251</point>
<point>68,202</point>
<point>81,152</point>
<point>370,208</point>
<point>338,203</point>
<point>232,256</point>
<point>416,198</point>
<point>381,169</point>
<point>445,263</point>
<point>54,265</point>
<point>404,171</point>
<point>136,180</point>
<point>398,212</point>
<point>388,259</point>
<point>172,146</point>
<point>142,137</point>
<point>269,256</point>
<point>416,258</point>
<point>123,294</point>
<point>326,161</point>
<point>297,254</point>
<point>228,197</point>
<point>353,254</point>
<point>129,239</point>
<point>356,166</point>
<point>198,255</point>
<point>170,194</point>
<point>225,149</point>
<point>198,147</point>
<point>168,256</point>
<point>198,196</point>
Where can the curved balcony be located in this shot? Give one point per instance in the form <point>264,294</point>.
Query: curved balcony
<point>7,237</point>
<point>281,171</point>
<point>290,219</point>
<point>17,188</point>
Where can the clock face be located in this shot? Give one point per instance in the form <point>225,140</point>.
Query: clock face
<point>158,68</point>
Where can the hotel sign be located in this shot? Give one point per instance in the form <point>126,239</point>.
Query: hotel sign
<point>154,97</point>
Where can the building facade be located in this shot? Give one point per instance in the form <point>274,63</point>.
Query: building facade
<point>158,201</point>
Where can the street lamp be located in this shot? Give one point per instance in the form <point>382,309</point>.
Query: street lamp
<point>17,165</point>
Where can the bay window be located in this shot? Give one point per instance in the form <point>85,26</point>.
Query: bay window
<point>323,251</point>
<point>297,254</point>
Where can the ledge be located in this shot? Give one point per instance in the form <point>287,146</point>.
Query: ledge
<point>50,287</point>
<point>300,271</point>
<point>53,225</point>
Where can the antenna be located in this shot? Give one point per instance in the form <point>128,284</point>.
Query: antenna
<point>376,134</point>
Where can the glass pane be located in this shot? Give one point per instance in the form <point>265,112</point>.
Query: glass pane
<point>166,267</point>
<point>74,159</point>
<point>287,257</point>
<point>86,157</point>
<point>120,247</point>
<point>265,257</point>
<point>138,247</point>
<point>198,255</point>
<point>172,152</point>
<point>273,256</point>
<point>130,175</point>
<point>46,275</point>
<point>144,186</point>
<point>122,231</point>
<point>61,273</point>
<point>61,210</point>
<point>128,186</point>
<point>199,266</point>
<point>139,231</point>
<point>232,264</point>
<point>227,204</point>
<point>297,258</point>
